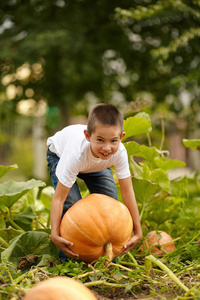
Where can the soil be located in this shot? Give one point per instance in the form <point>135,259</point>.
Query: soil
<point>120,294</point>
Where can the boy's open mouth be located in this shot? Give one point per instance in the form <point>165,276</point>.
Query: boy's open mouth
<point>105,154</point>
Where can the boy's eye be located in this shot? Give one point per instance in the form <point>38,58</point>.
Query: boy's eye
<point>99,140</point>
<point>114,141</point>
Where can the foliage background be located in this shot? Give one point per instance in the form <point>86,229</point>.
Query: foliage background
<point>58,58</point>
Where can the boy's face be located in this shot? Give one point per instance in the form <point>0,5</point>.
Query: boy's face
<point>104,140</point>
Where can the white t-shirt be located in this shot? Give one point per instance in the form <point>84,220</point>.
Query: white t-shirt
<point>74,151</point>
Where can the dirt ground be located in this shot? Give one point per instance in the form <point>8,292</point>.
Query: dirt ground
<point>120,294</point>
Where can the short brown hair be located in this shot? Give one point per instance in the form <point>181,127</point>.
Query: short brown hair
<point>105,114</point>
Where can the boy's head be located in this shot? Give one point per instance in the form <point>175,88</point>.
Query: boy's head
<point>106,115</point>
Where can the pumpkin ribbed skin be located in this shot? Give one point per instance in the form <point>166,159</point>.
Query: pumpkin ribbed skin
<point>63,288</point>
<point>153,240</point>
<point>94,221</point>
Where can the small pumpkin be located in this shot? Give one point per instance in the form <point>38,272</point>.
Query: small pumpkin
<point>158,242</point>
<point>59,287</point>
<point>97,225</point>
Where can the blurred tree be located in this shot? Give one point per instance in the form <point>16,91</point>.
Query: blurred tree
<point>66,51</point>
<point>168,32</point>
<point>62,44</point>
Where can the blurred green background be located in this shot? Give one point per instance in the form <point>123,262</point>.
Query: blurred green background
<point>58,58</point>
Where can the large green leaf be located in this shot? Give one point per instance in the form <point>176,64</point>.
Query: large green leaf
<point>144,189</point>
<point>161,177</point>
<point>24,219</point>
<point>9,233</point>
<point>190,221</point>
<point>6,169</point>
<point>148,153</point>
<point>46,196</point>
<point>30,199</point>
<point>11,191</point>
<point>158,216</point>
<point>161,209</point>
<point>192,144</point>
<point>31,242</point>
<point>133,148</point>
<point>158,197</point>
<point>137,125</point>
<point>168,164</point>
<point>135,168</point>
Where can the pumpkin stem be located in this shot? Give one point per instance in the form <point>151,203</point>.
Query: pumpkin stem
<point>109,252</point>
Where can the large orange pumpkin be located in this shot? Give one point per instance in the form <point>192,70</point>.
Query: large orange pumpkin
<point>96,223</point>
<point>157,241</point>
<point>55,288</point>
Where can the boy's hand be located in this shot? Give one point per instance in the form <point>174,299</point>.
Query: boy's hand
<point>134,240</point>
<point>63,244</point>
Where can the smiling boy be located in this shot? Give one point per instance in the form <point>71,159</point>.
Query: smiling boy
<point>88,152</point>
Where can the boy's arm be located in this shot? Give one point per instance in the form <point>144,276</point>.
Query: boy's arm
<point>58,199</point>
<point>128,197</point>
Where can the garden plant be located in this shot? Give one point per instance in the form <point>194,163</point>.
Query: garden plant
<point>172,205</point>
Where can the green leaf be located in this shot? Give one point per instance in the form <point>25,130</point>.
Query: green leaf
<point>135,168</point>
<point>137,125</point>
<point>9,233</point>
<point>128,287</point>
<point>11,191</point>
<point>24,219</point>
<point>46,196</point>
<point>30,199</point>
<point>144,189</point>
<point>3,208</point>
<point>164,164</point>
<point>4,169</point>
<point>31,242</point>
<point>118,276</point>
<point>160,211</point>
<point>158,197</point>
<point>161,177</point>
<point>191,221</point>
<point>192,144</point>
<point>44,260</point>
<point>149,153</point>
<point>134,149</point>
<point>2,222</point>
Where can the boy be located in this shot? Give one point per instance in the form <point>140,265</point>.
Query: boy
<point>88,152</point>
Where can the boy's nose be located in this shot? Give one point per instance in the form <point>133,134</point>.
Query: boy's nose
<point>106,147</point>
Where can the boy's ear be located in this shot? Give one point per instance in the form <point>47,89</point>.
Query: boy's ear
<point>123,134</point>
<point>87,136</point>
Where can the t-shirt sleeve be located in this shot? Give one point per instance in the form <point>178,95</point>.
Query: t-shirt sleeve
<point>122,165</point>
<point>67,168</point>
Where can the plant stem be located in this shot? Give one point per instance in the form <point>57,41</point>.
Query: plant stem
<point>142,211</point>
<point>194,238</point>
<point>8,217</point>
<point>98,282</point>
<point>2,241</point>
<point>167,270</point>
<point>25,275</point>
<point>149,139</point>
<point>14,224</point>
<point>148,264</point>
<point>86,274</point>
<point>163,134</point>
<point>105,283</point>
<point>122,267</point>
<point>194,267</point>
<point>10,276</point>
<point>109,253</point>
<point>132,258</point>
